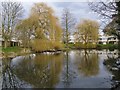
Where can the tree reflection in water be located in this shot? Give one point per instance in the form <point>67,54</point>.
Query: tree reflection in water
<point>9,78</point>
<point>114,68</point>
<point>67,73</point>
<point>0,73</point>
<point>88,63</point>
<point>51,71</point>
<point>41,72</point>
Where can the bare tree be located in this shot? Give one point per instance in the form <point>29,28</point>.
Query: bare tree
<point>109,10</point>
<point>68,22</point>
<point>105,9</point>
<point>11,13</point>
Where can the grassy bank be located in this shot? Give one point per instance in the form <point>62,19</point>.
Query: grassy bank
<point>107,46</point>
<point>70,46</point>
<point>13,51</point>
<point>16,51</point>
<point>92,46</point>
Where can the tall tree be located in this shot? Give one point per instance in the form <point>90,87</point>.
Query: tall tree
<point>109,10</point>
<point>68,22</point>
<point>118,23</point>
<point>43,12</point>
<point>87,31</point>
<point>105,9</point>
<point>110,28</point>
<point>11,13</point>
<point>41,28</point>
<point>24,30</point>
<point>48,25</point>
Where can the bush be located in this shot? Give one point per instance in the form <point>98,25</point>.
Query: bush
<point>71,45</point>
<point>56,45</point>
<point>78,45</point>
<point>81,45</point>
<point>90,45</point>
<point>39,45</point>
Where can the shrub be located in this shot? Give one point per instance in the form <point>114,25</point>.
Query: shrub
<point>39,45</point>
<point>71,45</point>
<point>81,45</point>
<point>78,45</point>
<point>56,45</point>
<point>90,45</point>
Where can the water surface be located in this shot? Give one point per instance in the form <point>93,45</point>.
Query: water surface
<point>72,69</point>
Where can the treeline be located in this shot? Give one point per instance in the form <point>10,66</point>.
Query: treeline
<point>42,30</point>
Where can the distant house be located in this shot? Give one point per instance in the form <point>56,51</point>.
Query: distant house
<point>112,40</point>
<point>11,43</point>
<point>103,39</point>
<point>78,38</point>
<point>72,39</point>
<point>106,39</point>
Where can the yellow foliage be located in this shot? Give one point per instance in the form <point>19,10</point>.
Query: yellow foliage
<point>56,45</point>
<point>43,27</point>
<point>87,32</point>
<point>48,33</point>
<point>88,45</point>
<point>42,45</point>
<point>89,28</point>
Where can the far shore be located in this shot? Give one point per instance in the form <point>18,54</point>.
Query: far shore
<point>14,54</point>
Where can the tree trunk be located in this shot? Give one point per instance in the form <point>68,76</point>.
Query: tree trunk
<point>85,44</point>
<point>66,31</point>
<point>6,44</point>
<point>119,47</point>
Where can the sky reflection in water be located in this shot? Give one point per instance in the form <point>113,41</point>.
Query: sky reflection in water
<point>73,69</point>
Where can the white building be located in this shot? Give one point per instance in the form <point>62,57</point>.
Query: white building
<point>103,39</point>
<point>72,39</point>
<point>13,42</point>
<point>106,39</point>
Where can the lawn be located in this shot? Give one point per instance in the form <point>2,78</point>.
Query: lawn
<point>11,49</point>
<point>107,46</point>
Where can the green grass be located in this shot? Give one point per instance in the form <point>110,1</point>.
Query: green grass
<point>80,45</point>
<point>11,49</point>
<point>70,45</point>
<point>107,46</point>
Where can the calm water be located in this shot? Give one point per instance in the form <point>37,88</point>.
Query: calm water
<point>73,69</point>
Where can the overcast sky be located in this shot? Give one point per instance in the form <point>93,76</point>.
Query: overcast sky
<point>80,10</point>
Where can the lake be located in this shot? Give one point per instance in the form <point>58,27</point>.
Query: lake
<point>70,69</point>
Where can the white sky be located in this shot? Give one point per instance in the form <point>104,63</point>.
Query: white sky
<point>59,0</point>
<point>79,8</point>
